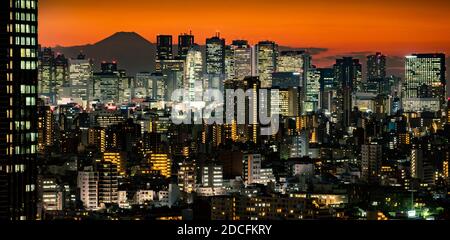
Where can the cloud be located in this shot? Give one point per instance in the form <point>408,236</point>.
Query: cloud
<point>310,50</point>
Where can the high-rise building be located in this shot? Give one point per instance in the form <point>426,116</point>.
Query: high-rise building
<point>371,156</point>
<point>424,85</point>
<point>215,55</point>
<point>327,88</point>
<point>164,47</point>
<point>376,67</point>
<point>46,73</point>
<point>266,57</point>
<point>46,127</point>
<point>80,77</point>
<point>193,82</point>
<point>18,111</point>
<point>239,60</point>
<point>185,42</point>
<point>87,182</point>
<point>107,182</point>
<point>61,75</point>
<point>311,88</point>
<point>290,61</point>
<point>347,75</point>
<point>215,61</point>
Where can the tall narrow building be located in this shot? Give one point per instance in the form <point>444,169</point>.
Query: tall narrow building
<point>215,61</point>
<point>347,75</point>
<point>266,56</point>
<point>18,112</point>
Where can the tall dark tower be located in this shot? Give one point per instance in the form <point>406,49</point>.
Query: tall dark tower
<point>185,41</point>
<point>18,111</point>
<point>347,75</point>
<point>164,47</point>
<point>376,67</point>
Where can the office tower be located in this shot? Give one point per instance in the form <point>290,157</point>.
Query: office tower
<point>46,75</point>
<point>229,63</point>
<point>215,61</point>
<point>193,83</point>
<point>106,87</point>
<point>160,162</point>
<point>266,57</point>
<point>240,64</point>
<point>80,77</point>
<point>376,67</point>
<point>371,156</point>
<point>290,61</point>
<point>212,175</point>
<point>164,47</point>
<point>87,182</point>
<point>347,75</point>
<point>252,164</point>
<point>288,101</point>
<point>187,176</point>
<point>326,79</point>
<point>107,84</point>
<point>185,42</point>
<point>286,80</point>
<point>141,84</point>
<point>18,112</point>
<point>158,87</point>
<point>311,89</point>
<point>327,88</point>
<point>424,85</point>
<point>107,183</point>
<point>61,75</point>
<point>215,55</point>
<point>249,130</point>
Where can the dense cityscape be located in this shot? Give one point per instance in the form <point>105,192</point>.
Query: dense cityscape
<point>80,141</point>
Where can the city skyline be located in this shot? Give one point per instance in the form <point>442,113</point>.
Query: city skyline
<point>340,28</point>
<point>204,124</point>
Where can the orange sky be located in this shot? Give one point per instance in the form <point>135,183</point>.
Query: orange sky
<point>391,26</point>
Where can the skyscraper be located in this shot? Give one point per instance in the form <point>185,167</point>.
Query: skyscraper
<point>266,55</point>
<point>239,60</point>
<point>290,61</point>
<point>80,77</point>
<point>424,85</point>
<point>185,41</point>
<point>215,61</point>
<point>376,67</point>
<point>18,112</point>
<point>164,47</point>
<point>347,75</point>
<point>311,88</point>
<point>215,55</point>
<point>193,83</point>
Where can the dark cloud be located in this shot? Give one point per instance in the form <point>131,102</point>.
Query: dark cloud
<point>310,50</point>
